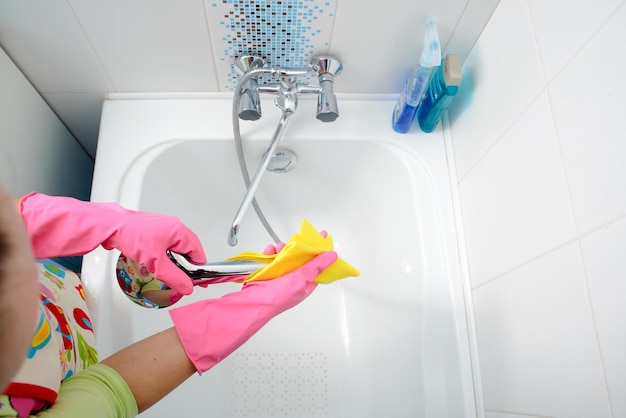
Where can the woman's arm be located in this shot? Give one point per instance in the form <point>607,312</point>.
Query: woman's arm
<point>152,367</point>
<point>63,226</point>
<point>208,331</point>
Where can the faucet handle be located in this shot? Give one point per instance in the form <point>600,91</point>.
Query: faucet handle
<point>250,104</point>
<point>326,64</point>
<point>246,63</point>
<point>327,68</point>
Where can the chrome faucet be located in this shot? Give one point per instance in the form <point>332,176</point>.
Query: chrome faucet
<point>327,69</point>
<point>247,106</point>
<point>250,107</point>
<point>287,89</point>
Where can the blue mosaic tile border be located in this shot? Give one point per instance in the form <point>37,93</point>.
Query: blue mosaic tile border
<point>282,32</point>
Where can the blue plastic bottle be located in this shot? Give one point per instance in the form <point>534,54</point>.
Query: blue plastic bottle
<point>443,86</point>
<point>405,109</point>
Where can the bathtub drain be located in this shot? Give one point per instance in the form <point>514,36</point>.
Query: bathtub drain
<point>282,161</point>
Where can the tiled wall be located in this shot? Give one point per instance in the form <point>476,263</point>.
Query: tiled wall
<point>76,52</point>
<point>539,138</point>
<point>282,32</point>
<point>36,151</point>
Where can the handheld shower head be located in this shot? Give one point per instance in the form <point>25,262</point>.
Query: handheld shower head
<point>327,68</point>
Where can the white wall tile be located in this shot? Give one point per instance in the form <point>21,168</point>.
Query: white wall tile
<point>286,33</point>
<point>380,46</point>
<point>515,202</point>
<point>538,343</point>
<point>538,348</point>
<point>82,115</point>
<point>46,41</point>
<point>589,107</point>
<point>563,26</point>
<point>150,45</point>
<point>501,76</point>
<point>36,151</point>
<point>604,253</point>
<point>474,19</point>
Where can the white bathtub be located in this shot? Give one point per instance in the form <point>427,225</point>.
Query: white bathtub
<point>390,343</point>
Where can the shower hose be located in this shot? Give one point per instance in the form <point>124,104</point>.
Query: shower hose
<point>239,146</point>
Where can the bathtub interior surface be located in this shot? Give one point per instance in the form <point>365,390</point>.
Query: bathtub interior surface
<point>355,347</point>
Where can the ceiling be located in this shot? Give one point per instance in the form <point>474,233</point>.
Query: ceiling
<point>76,52</point>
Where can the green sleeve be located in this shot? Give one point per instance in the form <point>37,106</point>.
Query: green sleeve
<point>96,392</point>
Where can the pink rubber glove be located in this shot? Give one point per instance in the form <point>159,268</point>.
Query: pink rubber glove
<point>212,329</point>
<point>272,249</point>
<point>63,226</point>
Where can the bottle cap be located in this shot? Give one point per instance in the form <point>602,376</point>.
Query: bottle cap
<point>452,70</point>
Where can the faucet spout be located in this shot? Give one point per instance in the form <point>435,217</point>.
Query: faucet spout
<point>256,181</point>
<point>327,109</point>
<point>247,106</point>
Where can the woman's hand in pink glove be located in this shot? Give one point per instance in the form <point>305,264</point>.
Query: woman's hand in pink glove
<point>212,329</point>
<point>145,238</point>
<point>63,226</point>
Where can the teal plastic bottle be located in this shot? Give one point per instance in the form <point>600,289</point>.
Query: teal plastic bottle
<point>443,86</point>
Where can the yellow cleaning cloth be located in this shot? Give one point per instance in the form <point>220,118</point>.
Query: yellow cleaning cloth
<point>301,248</point>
